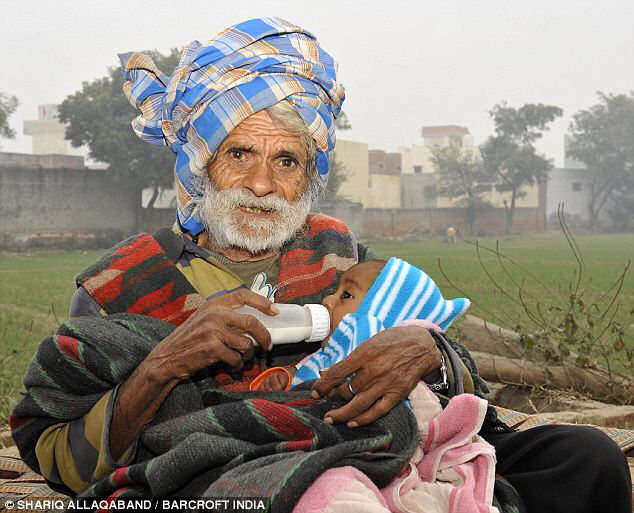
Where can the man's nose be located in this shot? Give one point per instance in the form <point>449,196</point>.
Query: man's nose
<point>260,179</point>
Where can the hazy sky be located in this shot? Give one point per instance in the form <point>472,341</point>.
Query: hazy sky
<point>404,64</point>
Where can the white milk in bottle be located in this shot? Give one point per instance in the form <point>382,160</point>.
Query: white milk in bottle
<point>294,323</point>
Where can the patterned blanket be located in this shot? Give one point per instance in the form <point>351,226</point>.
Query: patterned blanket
<point>204,441</point>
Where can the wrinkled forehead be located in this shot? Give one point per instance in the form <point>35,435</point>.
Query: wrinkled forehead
<point>261,131</point>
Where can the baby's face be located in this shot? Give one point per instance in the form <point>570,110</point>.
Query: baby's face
<point>353,286</point>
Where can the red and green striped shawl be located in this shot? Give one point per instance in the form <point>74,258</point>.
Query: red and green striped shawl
<point>139,276</point>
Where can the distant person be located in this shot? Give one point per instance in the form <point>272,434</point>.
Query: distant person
<point>451,235</point>
<point>143,391</point>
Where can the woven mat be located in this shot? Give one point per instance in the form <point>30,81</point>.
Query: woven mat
<point>18,482</point>
<point>624,438</point>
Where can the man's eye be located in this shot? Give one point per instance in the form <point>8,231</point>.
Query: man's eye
<point>237,154</point>
<point>345,295</point>
<point>288,162</point>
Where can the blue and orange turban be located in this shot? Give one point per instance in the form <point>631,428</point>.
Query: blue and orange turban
<point>244,69</point>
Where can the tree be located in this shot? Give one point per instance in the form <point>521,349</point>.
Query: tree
<point>462,176</point>
<point>342,123</point>
<point>603,139</point>
<point>510,156</point>
<point>338,173</point>
<point>99,116</point>
<point>622,208</point>
<point>8,104</point>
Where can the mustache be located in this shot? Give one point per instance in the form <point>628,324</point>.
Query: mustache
<point>218,215</point>
<point>233,198</point>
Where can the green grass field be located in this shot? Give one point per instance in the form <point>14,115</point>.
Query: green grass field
<point>35,288</point>
<point>35,292</point>
<point>548,258</point>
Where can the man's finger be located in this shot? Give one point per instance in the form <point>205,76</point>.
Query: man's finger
<point>376,411</point>
<point>246,297</point>
<point>335,376</point>
<point>228,355</point>
<point>343,391</point>
<point>361,380</point>
<point>248,324</point>
<point>359,404</point>
<point>239,343</point>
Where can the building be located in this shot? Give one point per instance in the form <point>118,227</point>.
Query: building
<point>419,190</point>
<point>418,158</point>
<point>54,200</point>
<point>384,181</point>
<point>446,135</point>
<point>47,136</point>
<point>373,177</point>
<point>419,179</point>
<point>570,188</point>
<point>354,158</point>
<point>26,160</point>
<point>47,133</point>
<point>382,163</point>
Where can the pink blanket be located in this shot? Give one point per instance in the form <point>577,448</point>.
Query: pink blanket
<point>452,470</point>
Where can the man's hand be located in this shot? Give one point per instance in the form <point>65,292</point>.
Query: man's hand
<point>386,369</point>
<point>214,333</point>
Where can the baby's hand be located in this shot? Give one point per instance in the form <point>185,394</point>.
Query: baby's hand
<point>274,382</point>
<point>276,379</point>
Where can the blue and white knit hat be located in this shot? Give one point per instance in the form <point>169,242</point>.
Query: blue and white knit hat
<point>400,292</point>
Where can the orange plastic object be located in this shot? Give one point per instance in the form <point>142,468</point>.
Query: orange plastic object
<point>255,384</point>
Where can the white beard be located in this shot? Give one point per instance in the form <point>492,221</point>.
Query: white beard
<point>228,228</point>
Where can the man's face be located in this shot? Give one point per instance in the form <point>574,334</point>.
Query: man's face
<point>352,288</point>
<point>257,197</point>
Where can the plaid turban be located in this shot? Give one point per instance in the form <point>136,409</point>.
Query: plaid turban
<point>244,69</point>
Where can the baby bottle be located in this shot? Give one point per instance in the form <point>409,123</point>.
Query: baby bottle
<point>294,323</point>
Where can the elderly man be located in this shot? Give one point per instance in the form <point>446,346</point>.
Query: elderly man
<point>250,117</point>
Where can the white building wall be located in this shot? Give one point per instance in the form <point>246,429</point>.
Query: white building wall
<point>570,187</point>
<point>384,191</point>
<point>354,156</point>
<point>416,157</point>
<point>48,134</point>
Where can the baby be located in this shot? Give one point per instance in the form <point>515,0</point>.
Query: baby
<point>370,297</point>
